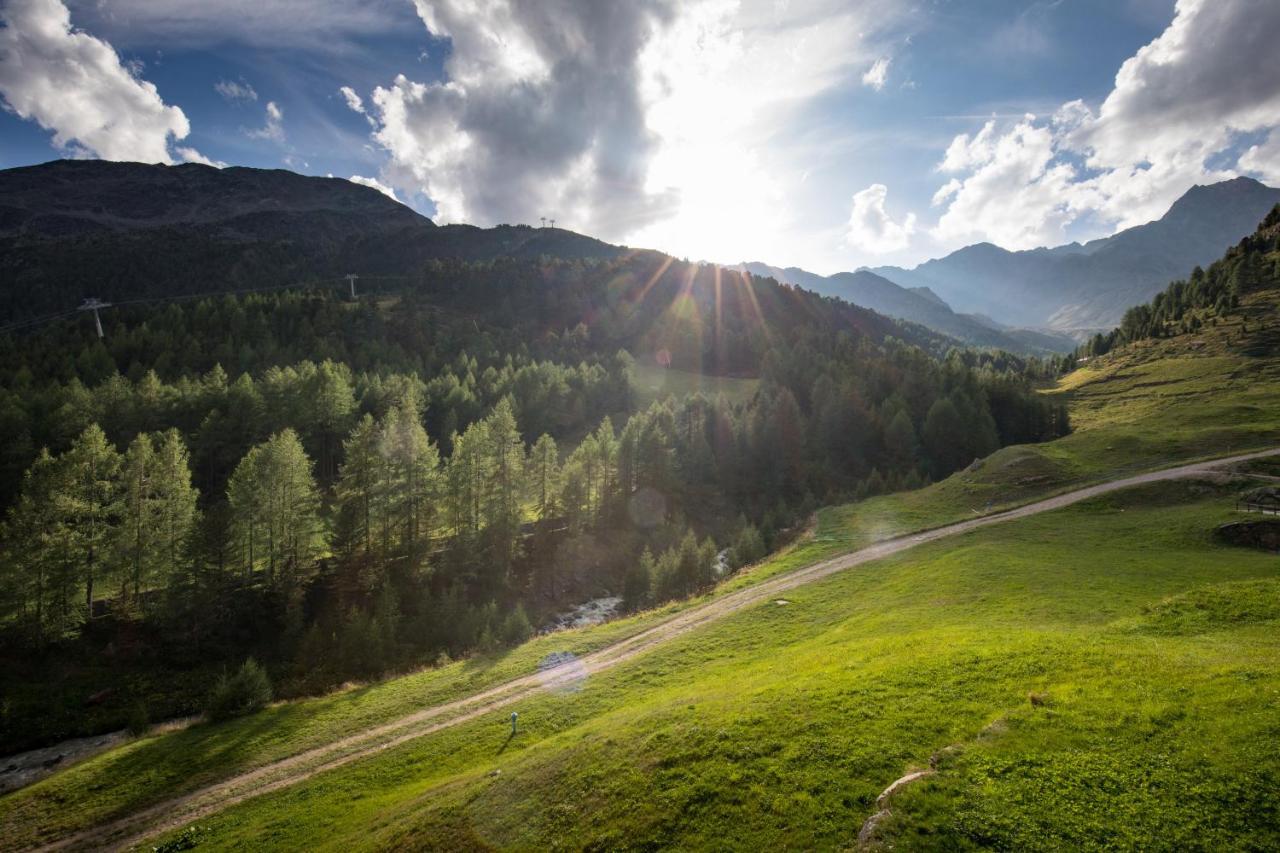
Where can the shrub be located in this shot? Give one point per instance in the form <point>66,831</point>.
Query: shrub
<point>247,691</point>
<point>188,839</point>
<point>516,628</point>
<point>139,721</point>
<point>749,547</point>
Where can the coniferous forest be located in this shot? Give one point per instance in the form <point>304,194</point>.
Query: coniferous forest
<point>342,488</point>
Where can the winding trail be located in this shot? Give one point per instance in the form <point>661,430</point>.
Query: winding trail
<point>132,829</point>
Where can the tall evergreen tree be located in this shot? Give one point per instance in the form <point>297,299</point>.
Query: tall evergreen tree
<point>276,506</point>
<point>543,476</point>
<point>89,499</point>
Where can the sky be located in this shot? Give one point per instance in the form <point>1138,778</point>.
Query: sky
<point>825,134</point>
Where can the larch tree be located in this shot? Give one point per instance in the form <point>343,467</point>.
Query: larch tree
<point>413,474</point>
<point>543,476</point>
<point>330,403</point>
<point>276,507</point>
<point>175,498</point>
<point>136,533</point>
<point>39,576</point>
<point>362,485</point>
<point>89,500</point>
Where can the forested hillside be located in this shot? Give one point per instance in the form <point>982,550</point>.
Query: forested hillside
<point>1206,296</point>
<point>72,229</point>
<point>341,487</point>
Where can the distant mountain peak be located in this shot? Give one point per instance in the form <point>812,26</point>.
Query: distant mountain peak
<point>1088,287</point>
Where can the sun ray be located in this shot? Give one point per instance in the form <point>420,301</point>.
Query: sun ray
<point>653,279</point>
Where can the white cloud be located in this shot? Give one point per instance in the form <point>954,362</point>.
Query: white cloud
<point>1179,104</point>
<point>74,84</point>
<point>375,184</point>
<point>965,153</point>
<point>946,191</point>
<point>273,129</point>
<point>649,122</point>
<point>872,229</point>
<point>1014,194</point>
<point>723,83</point>
<point>507,140</point>
<point>235,91</point>
<point>353,100</point>
<point>191,155</point>
<point>1263,159</point>
<point>877,74</point>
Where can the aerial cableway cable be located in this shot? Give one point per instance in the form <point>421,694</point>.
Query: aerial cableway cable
<point>20,325</point>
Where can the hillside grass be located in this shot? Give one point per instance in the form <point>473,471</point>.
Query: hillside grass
<point>779,726</point>
<point>1143,408</point>
<point>652,383</point>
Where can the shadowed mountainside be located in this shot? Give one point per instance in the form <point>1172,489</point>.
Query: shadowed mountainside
<point>917,305</point>
<point>1089,286</point>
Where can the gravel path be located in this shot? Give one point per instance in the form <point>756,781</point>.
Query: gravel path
<point>132,829</point>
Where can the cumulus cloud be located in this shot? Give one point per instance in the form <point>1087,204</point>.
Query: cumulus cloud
<point>875,76</point>
<point>353,100</point>
<point>273,129</point>
<point>235,91</point>
<point>374,183</point>
<point>191,155</point>
<point>1263,159</point>
<point>540,115</point>
<point>647,121</point>
<point>872,229</point>
<point>74,85</point>
<point>1177,108</point>
<point>1014,194</point>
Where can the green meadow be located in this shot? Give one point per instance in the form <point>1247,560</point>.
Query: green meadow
<point>1151,654</point>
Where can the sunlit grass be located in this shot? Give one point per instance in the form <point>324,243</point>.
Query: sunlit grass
<point>652,383</point>
<point>779,726</point>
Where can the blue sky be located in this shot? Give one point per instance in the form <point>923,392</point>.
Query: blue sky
<point>811,132</point>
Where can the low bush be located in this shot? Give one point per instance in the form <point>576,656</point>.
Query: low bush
<point>247,691</point>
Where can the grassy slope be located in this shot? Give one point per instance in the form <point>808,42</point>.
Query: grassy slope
<point>779,726</point>
<point>653,383</point>
<point>1121,405</point>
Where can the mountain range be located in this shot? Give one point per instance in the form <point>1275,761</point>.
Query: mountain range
<point>76,228</point>
<point>71,229</point>
<point>1086,287</point>
<point>917,305</point>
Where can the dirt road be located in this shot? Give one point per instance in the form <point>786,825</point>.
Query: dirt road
<point>172,814</point>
